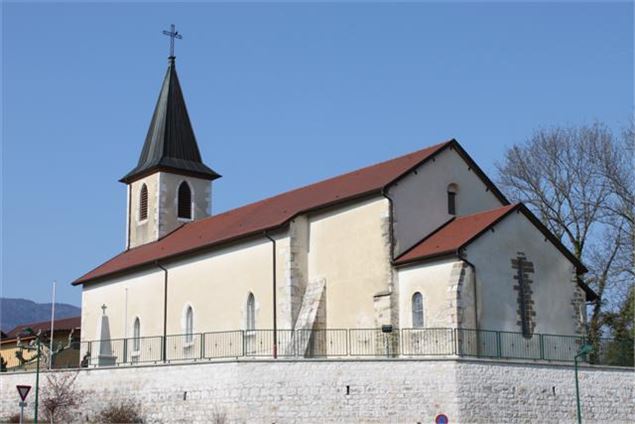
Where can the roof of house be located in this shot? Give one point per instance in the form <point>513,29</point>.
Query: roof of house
<point>170,143</point>
<point>459,232</point>
<point>45,326</point>
<point>265,215</point>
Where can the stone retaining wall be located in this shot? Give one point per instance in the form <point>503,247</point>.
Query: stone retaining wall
<point>376,391</point>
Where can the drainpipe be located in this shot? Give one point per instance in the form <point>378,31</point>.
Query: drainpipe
<point>165,309</point>
<point>275,307</point>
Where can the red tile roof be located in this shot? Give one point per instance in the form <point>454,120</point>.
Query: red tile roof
<point>454,235</point>
<point>45,326</point>
<point>461,231</point>
<point>266,214</point>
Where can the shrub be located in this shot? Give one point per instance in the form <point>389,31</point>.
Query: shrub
<point>125,411</point>
<point>60,399</point>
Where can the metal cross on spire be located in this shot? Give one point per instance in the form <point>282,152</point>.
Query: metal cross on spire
<point>173,33</point>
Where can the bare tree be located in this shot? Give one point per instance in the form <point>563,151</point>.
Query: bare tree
<point>60,398</point>
<point>580,182</point>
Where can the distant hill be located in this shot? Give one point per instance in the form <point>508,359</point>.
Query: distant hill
<point>21,311</point>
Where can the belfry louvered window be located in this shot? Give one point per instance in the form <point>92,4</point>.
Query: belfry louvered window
<point>143,203</point>
<point>184,207</point>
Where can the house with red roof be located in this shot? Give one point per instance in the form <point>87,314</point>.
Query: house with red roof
<point>16,345</point>
<point>421,241</point>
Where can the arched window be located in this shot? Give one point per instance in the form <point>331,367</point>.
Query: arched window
<point>189,325</point>
<point>250,323</point>
<point>452,190</point>
<point>184,207</point>
<point>417,310</point>
<point>143,203</point>
<point>136,335</point>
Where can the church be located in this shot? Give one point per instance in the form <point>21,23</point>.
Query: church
<point>421,241</point>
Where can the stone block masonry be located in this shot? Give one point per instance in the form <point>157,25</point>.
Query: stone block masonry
<point>352,391</point>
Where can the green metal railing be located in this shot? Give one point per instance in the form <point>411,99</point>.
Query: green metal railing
<point>350,343</point>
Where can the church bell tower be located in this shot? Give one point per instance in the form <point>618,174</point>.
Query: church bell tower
<point>170,185</point>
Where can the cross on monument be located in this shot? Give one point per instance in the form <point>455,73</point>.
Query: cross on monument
<point>173,33</point>
<point>103,308</point>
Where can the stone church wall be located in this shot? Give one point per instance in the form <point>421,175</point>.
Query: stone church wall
<point>143,231</point>
<point>550,302</point>
<point>423,193</point>
<point>370,391</point>
<point>347,248</point>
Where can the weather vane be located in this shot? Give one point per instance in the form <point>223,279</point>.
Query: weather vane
<point>173,33</point>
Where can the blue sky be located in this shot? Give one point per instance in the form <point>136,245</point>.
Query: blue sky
<point>280,95</point>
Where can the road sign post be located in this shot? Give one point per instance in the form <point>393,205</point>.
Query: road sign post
<point>22,405</point>
<point>23,391</point>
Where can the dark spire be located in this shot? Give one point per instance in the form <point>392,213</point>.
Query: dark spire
<point>170,144</point>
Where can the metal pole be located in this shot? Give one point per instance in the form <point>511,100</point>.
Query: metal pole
<point>52,328</point>
<point>37,379</point>
<point>275,301</point>
<point>22,403</point>
<point>577,389</point>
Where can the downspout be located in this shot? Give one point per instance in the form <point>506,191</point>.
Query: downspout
<point>165,310</point>
<point>275,301</point>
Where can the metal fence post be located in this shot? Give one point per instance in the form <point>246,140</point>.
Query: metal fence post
<point>348,342</point>
<point>498,344</point>
<point>202,345</point>
<point>244,342</point>
<point>455,341</point>
<point>125,350</point>
<point>542,347</point>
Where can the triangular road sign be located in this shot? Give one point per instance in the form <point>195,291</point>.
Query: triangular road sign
<point>23,391</point>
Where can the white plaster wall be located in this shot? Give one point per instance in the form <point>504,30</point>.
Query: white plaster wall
<point>434,282</point>
<point>379,391</point>
<point>144,294</point>
<point>349,248</point>
<point>420,199</point>
<point>553,289</point>
<point>162,205</point>
<point>168,200</point>
<point>217,284</point>
<point>143,231</point>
